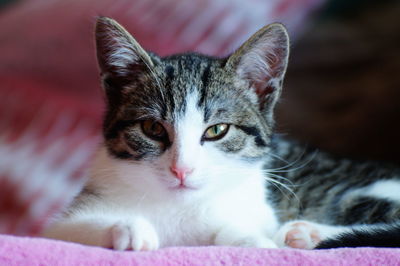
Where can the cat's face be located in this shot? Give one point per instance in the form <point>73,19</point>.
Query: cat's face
<point>189,123</point>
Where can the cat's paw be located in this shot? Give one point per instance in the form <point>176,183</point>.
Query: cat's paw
<point>138,235</point>
<point>232,237</point>
<point>298,234</point>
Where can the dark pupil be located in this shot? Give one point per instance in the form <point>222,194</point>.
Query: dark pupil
<point>155,129</point>
<point>216,129</point>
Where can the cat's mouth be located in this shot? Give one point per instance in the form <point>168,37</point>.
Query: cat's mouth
<point>183,187</point>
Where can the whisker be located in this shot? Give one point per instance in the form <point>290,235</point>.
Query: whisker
<point>277,184</point>
<point>303,164</point>
<point>282,178</point>
<point>278,157</point>
<point>291,163</point>
<point>279,188</point>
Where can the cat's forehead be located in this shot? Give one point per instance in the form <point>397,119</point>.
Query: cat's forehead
<point>188,70</point>
<point>180,79</point>
<point>191,76</point>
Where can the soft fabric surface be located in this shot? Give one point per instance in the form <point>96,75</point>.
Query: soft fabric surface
<point>36,251</point>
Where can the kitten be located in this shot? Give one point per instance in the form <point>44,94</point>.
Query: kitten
<point>188,156</point>
<point>185,140</point>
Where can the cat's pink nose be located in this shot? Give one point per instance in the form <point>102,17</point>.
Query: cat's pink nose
<point>181,172</point>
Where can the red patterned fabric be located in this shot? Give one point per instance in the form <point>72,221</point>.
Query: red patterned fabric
<point>50,100</point>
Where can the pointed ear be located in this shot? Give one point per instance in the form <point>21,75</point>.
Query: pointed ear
<point>118,53</point>
<point>261,63</point>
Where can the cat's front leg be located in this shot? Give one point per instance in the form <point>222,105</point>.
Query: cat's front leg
<point>305,235</point>
<point>137,234</point>
<point>231,236</point>
<point>125,234</point>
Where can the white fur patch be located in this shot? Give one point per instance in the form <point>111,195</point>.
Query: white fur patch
<point>384,189</point>
<point>188,132</point>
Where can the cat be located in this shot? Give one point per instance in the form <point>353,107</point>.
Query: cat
<point>189,158</point>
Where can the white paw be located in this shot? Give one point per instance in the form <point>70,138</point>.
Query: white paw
<point>234,238</point>
<point>298,234</point>
<point>137,235</point>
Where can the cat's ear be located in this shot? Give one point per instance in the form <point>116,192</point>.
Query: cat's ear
<point>261,63</point>
<point>119,55</point>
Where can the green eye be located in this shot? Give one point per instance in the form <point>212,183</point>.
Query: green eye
<point>153,129</point>
<point>216,132</point>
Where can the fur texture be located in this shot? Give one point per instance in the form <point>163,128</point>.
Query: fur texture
<point>333,197</point>
<point>381,236</point>
<point>189,158</point>
<point>135,198</point>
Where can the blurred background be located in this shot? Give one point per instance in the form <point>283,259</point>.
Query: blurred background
<point>341,92</point>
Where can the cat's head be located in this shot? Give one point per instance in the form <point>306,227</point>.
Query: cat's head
<point>189,122</point>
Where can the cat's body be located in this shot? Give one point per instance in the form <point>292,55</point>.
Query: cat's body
<point>334,190</point>
<point>188,155</point>
<point>343,194</point>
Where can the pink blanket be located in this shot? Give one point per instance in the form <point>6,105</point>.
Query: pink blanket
<point>37,251</point>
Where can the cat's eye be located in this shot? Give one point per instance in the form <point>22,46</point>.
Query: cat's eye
<point>153,129</point>
<point>216,132</point>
